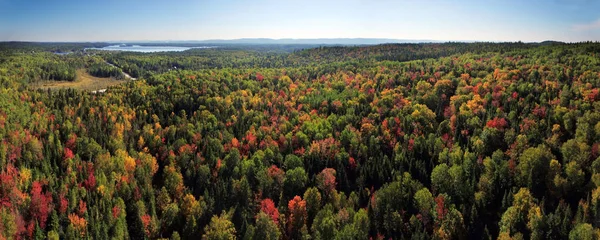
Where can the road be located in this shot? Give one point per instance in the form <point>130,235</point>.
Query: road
<point>124,73</point>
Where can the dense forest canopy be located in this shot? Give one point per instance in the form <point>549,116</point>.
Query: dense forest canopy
<point>400,141</point>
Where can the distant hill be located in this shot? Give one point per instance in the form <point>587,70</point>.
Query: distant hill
<point>551,42</point>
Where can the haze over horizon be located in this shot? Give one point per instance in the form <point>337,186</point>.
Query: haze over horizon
<point>437,20</point>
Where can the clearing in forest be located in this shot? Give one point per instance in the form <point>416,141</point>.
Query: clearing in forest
<point>84,81</point>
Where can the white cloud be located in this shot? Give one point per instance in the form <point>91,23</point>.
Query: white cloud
<point>595,25</point>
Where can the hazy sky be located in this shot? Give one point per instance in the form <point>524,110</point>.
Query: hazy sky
<point>482,20</point>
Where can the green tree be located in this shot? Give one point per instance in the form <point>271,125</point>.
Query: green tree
<point>324,225</point>
<point>576,151</point>
<point>424,203</point>
<point>295,181</point>
<point>583,231</point>
<point>312,196</point>
<point>440,179</point>
<point>533,168</point>
<point>361,224</point>
<point>219,228</point>
<point>7,223</point>
<point>265,228</point>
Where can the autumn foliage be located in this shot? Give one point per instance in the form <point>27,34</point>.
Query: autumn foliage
<point>268,207</point>
<point>392,141</point>
<point>297,215</point>
<point>497,123</point>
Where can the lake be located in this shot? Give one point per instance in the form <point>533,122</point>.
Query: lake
<point>145,49</point>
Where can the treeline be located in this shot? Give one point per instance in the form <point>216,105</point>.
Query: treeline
<point>105,70</point>
<point>32,47</point>
<point>57,71</point>
<point>497,144</point>
<point>140,64</point>
<point>41,66</point>
<point>401,52</point>
<point>240,56</point>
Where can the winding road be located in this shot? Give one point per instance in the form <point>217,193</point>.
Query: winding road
<point>127,76</point>
<point>124,73</point>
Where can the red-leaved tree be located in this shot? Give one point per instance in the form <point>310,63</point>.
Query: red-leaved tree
<point>41,203</point>
<point>326,180</point>
<point>297,217</point>
<point>268,207</point>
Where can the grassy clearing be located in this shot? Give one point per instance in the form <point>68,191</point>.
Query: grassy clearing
<point>84,81</point>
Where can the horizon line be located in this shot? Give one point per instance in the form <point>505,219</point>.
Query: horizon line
<point>298,39</point>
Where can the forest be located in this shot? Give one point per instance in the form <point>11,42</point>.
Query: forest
<point>393,141</point>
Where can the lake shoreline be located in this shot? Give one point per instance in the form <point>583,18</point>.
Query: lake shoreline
<point>146,49</point>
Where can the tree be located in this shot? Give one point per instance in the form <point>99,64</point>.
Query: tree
<point>173,181</point>
<point>295,181</point>
<point>78,226</point>
<point>292,161</point>
<point>312,196</point>
<point>425,204</point>
<point>266,228</point>
<point>524,216</point>
<point>274,182</point>
<point>8,226</point>
<point>52,235</point>
<point>40,204</point>
<point>191,210</point>
<point>576,151</point>
<point>232,159</point>
<point>452,226</point>
<point>268,207</point>
<point>324,225</point>
<point>389,203</point>
<point>326,181</point>
<point>533,167</point>
<point>297,217</point>
<point>219,228</point>
<point>583,231</point>
<point>361,224</point>
<point>440,179</point>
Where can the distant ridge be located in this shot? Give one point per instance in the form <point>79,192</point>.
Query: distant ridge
<point>551,42</point>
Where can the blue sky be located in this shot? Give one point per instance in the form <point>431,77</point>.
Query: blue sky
<point>128,20</point>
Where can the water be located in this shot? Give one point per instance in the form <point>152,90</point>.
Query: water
<point>63,53</point>
<point>145,49</point>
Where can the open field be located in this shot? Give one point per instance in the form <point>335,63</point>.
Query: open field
<point>84,81</point>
